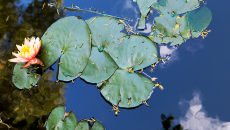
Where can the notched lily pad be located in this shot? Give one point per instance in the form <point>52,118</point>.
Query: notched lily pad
<point>68,38</point>
<point>104,30</point>
<point>97,126</point>
<point>133,51</point>
<point>130,89</point>
<point>23,78</point>
<point>100,67</point>
<point>83,125</point>
<point>59,120</point>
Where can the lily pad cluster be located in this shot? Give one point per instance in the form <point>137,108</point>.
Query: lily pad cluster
<point>60,120</point>
<point>97,51</point>
<point>178,20</point>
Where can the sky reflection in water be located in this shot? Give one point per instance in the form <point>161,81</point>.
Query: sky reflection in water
<point>198,64</point>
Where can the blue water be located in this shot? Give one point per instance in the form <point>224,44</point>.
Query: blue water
<point>198,65</point>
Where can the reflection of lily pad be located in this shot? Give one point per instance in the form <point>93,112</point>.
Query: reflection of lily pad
<point>68,38</point>
<point>131,88</point>
<point>58,120</point>
<point>144,7</point>
<point>134,51</point>
<point>23,78</point>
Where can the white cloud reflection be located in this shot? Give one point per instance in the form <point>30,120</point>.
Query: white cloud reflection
<point>171,51</point>
<point>196,117</point>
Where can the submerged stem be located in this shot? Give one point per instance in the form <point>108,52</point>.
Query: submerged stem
<point>95,12</point>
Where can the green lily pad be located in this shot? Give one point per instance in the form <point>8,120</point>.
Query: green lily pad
<point>23,78</point>
<point>182,28</point>
<point>58,120</point>
<point>68,38</point>
<point>83,125</point>
<point>164,30</point>
<point>100,67</point>
<point>131,89</point>
<point>176,6</point>
<point>104,30</point>
<point>97,126</point>
<point>199,20</point>
<point>133,51</point>
<point>144,7</point>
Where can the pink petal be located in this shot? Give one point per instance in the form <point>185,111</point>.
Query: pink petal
<point>36,61</point>
<point>32,41</point>
<point>27,42</point>
<point>33,61</point>
<point>17,55</point>
<point>21,60</point>
<point>19,47</point>
<point>37,45</point>
<point>32,52</point>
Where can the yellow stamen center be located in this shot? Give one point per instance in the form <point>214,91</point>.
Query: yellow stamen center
<point>25,49</point>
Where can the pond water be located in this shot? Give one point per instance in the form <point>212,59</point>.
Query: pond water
<point>195,78</point>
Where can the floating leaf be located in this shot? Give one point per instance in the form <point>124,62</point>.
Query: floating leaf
<point>83,125</point>
<point>182,27</point>
<point>170,26</point>
<point>130,89</point>
<point>134,51</point>
<point>144,7</point>
<point>97,126</point>
<point>68,38</point>
<point>100,67</point>
<point>104,30</point>
<point>199,20</point>
<point>176,6</point>
<point>23,78</point>
<point>164,30</point>
<point>58,120</point>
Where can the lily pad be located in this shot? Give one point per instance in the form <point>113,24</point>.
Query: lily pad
<point>104,30</point>
<point>23,78</point>
<point>83,125</point>
<point>97,126</point>
<point>182,27</point>
<point>144,7</point>
<point>164,30</point>
<point>199,20</point>
<point>176,6</point>
<point>58,120</point>
<point>133,51</point>
<point>130,89</point>
<point>100,67</point>
<point>68,38</point>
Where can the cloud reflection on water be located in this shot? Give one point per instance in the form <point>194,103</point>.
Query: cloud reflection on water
<point>171,51</point>
<point>196,117</point>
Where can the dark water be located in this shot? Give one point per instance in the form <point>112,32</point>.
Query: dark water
<point>198,69</point>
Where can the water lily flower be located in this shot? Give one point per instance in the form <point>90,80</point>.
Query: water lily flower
<point>27,52</point>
